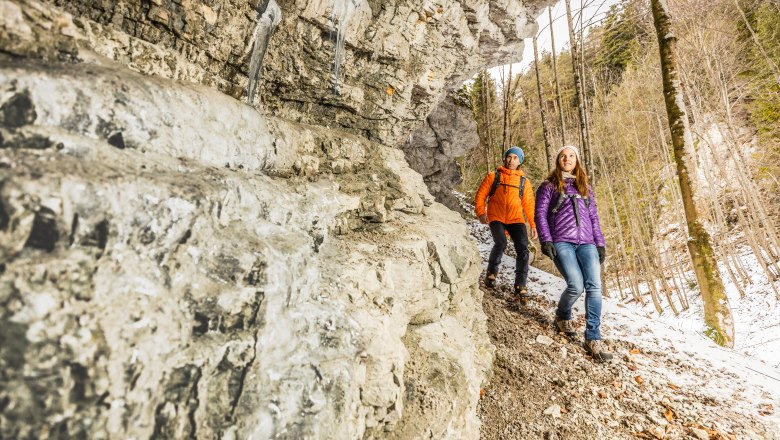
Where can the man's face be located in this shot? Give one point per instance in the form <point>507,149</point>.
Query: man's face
<point>511,161</point>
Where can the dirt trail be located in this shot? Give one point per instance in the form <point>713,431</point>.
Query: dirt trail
<point>547,387</point>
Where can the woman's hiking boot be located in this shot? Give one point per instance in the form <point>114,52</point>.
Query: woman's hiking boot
<point>490,279</point>
<point>564,326</point>
<point>520,295</point>
<point>595,348</point>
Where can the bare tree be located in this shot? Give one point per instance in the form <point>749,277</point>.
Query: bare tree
<point>555,74</point>
<point>580,95</point>
<point>545,130</point>
<point>717,313</point>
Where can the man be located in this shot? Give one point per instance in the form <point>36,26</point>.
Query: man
<point>508,194</point>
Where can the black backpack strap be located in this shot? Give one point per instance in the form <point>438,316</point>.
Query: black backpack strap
<point>496,183</point>
<point>559,202</point>
<point>522,187</point>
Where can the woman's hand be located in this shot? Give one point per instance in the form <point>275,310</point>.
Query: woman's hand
<point>602,253</point>
<point>549,249</point>
<point>483,219</point>
<point>534,235</point>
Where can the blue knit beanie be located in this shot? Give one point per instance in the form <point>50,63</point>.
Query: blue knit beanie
<point>516,151</point>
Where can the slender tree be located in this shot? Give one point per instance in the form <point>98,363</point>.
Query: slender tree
<point>580,95</point>
<point>548,148</point>
<point>717,313</point>
<point>555,74</point>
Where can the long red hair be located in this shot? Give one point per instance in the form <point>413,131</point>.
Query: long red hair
<point>580,176</point>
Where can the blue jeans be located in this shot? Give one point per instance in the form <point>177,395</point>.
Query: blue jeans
<point>520,238</point>
<point>579,264</point>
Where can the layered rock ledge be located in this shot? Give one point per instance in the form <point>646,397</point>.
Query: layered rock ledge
<point>175,263</point>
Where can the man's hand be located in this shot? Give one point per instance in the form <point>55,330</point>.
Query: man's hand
<point>549,250</point>
<point>483,219</point>
<point>534,235</point>
<point>602,253</point>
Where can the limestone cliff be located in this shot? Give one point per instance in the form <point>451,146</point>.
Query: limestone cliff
<point>175,263</point>
<point>449,132</point>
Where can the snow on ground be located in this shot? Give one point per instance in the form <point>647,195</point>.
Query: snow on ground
<point>749,375</point>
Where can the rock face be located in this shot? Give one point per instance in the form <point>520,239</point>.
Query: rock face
<point>369,67</point>
<point>177,264</point>
<point>449,132</point>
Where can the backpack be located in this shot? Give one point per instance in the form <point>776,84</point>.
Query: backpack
<point>497,182</point>
<point>573,197</point>
<point>562,198</point>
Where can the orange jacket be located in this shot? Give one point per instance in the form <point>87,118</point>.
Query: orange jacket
<point>505,205</point>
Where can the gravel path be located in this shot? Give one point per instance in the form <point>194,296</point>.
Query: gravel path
<point>545,386</point>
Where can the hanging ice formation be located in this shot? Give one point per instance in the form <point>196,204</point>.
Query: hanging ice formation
<point>340,16</point>
<point>269,16</point>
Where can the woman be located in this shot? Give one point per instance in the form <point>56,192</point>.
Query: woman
<point>570,234</point>
<point>508,194</point>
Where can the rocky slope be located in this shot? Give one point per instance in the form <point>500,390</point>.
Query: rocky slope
<point>546,386</point>
<point>177,264</point>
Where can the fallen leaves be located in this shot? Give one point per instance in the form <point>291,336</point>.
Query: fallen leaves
<point>639,380</point>
<point>669,415</point>
<point>702,432</point>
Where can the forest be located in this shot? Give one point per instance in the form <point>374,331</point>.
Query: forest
<point>672,211</point>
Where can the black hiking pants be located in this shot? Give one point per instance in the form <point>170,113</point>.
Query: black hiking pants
<point>520,237</point>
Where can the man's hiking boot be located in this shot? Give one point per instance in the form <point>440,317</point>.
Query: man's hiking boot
<point>490,279</point>
<point>564,326</point>
<point>520,295</point>
<point>595,348</point>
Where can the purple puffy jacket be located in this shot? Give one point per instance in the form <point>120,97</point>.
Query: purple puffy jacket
<point>563,226</point>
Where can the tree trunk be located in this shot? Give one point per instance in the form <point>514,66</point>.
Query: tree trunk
<point>586,147</point>
<point>486,115</point>
<point>507,92</point>
<point>717,313</point>
<point>557,83</point>
<point>542,112</point>
<point>579,96</point>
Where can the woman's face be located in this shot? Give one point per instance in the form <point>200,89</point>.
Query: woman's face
<point>567,160</point>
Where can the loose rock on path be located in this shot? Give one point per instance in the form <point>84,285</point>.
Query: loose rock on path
<point>547,387</point>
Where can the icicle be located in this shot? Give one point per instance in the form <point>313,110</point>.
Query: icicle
<point>342,12</point>
<point>269,17</point>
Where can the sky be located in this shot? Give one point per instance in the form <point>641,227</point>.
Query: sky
<point>595,11</point>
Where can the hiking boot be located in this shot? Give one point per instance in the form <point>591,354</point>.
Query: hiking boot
<point>595,348</point>
<point>520,295</point>
<point>490,279</point>
<point>564,326</point>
